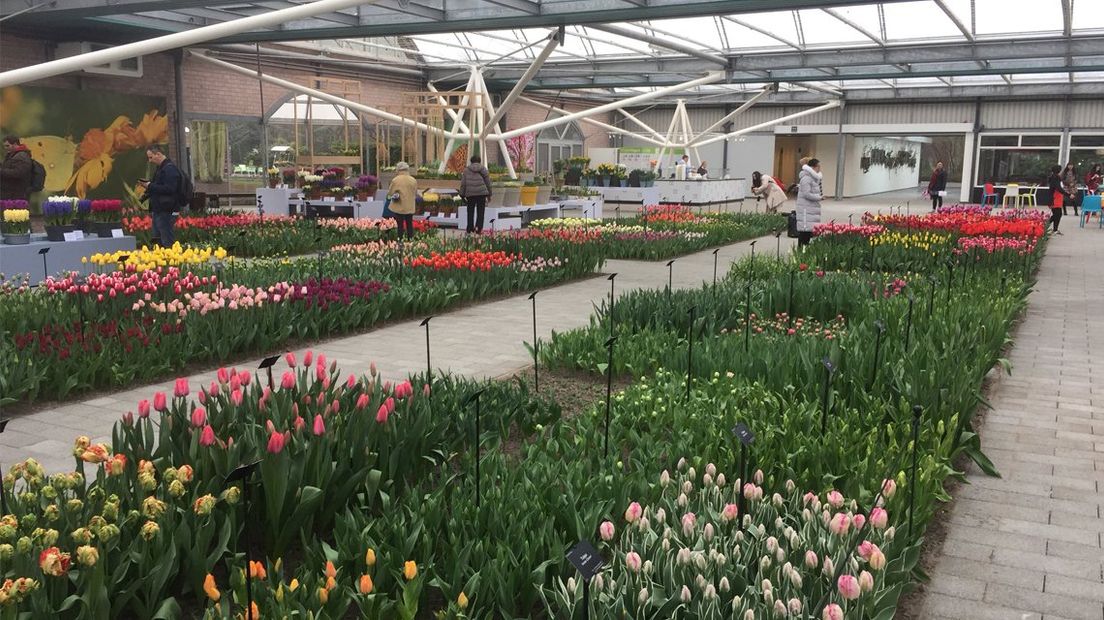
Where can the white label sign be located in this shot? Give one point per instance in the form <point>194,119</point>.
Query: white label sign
<point>117,233</point>
<point>76,235</point>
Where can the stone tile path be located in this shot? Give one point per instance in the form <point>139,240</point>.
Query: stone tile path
<point>482,340</point>
<point>1028,545</point>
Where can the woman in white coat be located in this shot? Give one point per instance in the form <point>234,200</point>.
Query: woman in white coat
<point>767,187</point>
<point>809,194</point>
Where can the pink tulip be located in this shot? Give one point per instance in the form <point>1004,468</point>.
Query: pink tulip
<point>689,522</point>
<point>633,512</point>
<point>390,402</point>
<point>877,559</point>
<point>319,425</point>
<point>322,359</point>
<point>858,521</point>
<point>632,561</point>
<point>199,417</point>
<point>143,409</point>
<point>878,518</point>
<point>128,418</point>
<point>350,382</point>
<point>362,402</point>
<point>214,388</point>
<point>276,443</point>
<point>308,357</point>
<point>181,388</point>
<point>290,359</point>
<point>606,531</point>
<point>320,372</point>
<point>381,415</point>
<point>835,498</point>
<point>889,487</point>
<point>298,423</point>
<point>223,376</point>
<point>202,396</point>
<point>866,548</point>
<point>288,380</point>
<point>731,511</point>
<point>244,377</point>
<point>811,559</point>
<point>236,398</point>
<point>832,612</point>
<point>425,390</point>
<point>207,437</point>
<point>372,369</point>
<point>160,402</point>
<point>235,381</point>
<point>848,587</point>
<point>808,497</point>
<point>840,524</point>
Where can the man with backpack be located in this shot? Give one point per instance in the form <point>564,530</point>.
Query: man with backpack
<point>165,192</point>
<point>19,173</point>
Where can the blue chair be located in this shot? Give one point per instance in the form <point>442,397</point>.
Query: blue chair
<point>1090,205</point>
<point>988,192</point>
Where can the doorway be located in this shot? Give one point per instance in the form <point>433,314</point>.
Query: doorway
<point>788,151</point>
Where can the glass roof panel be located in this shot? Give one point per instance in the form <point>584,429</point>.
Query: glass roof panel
<point>1088,15</point>
<point>780,23</point>
<point>820,28</point>
<point>919,20</point>
<point>740,36</point>
<point>864,15</point>
<point>1018,16</point>
<point>699,32</point>
<point>1040,77</point>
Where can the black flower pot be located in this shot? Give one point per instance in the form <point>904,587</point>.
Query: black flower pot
<point>103,229</point>
<point>57,233</point>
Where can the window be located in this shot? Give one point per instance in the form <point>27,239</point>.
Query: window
<point>1013,158</point>
<point>559,142</point>
<point>1085,152</point>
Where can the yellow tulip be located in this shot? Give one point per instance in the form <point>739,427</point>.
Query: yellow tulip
<point>462,601</point>
<point>410,570</point>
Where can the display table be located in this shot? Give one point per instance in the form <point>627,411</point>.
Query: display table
<point>63,256</point>
<point>697,192</point>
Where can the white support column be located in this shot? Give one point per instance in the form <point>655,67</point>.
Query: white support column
<point>641,124</point>
<point>667,142</point>
<point>520,85</point>
<point>828,106</point>
<point>387,116</point>
<point>738,111</point>
<point>482,86</point>
<point>175,40</point>
<point>966,191</point>
<point>458,118</point>
<point>616,105</point>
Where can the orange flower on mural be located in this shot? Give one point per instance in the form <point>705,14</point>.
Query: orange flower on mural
<point>95,143</point>
<point>122,135</point>
<point>154,129</point>
<point>91,174</point>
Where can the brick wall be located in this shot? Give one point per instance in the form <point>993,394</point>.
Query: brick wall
<point>523,114</point>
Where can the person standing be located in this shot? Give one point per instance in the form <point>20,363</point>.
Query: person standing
<point>703,171</point>
<point>1058,197</point>
<point>1069,183</point>
<point>163,192</point>
<point>475,189</point>
<point>936,185</point>
<point>16,170</point>
<point>403,191</point>
<point>766,186</point>
<point>1093,179</point>
<point>810,191</point>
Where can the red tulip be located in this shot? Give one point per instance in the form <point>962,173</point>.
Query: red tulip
<point>390,402</point>
<point>307,357</point>
<point>207,437</point>
<point>382,414</point>
<point>159,402</point>
<point>350,382</point>
<point>202,396</point>
<point>320,372</point>
<point>244,377</point>
<point>143,409</point>
<point>181,388</point>
<point>223,376</point>
<point>319,425</point>
<point>299,422</point>
<point>288,380</point>
<point>335,406</point>
<point>199,417</point>
<point>290,359</point>
<point>362,402</point>
<point>236,397</point>
<point>276,443</point>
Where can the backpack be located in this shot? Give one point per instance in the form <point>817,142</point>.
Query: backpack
<point>187,191</point>
<point>38,176</point>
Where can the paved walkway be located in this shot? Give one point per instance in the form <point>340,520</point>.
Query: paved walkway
<point>1029,545</point>
<point>482,340</point>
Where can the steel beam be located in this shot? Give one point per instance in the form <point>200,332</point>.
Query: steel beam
<point>942,4</point>
<point>866,33</point>
<point>789,117</point>
<point>522,82</point>
<point>629,33</point>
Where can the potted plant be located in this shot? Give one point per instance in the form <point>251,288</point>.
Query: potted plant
<point>586,177</point>
<point>511,194</point>
<point>498,195</point>
<point>84,220</point>
<point>289,176</point>
<point>525,173</point>
<point>108,216</point>
<point>528,196</point>
<point>312,187</point>
<point>58,212</point>
<point>273,177</point>
<point>16,222</point>
<point>366,186</point>
<point>429,203</point>
<point>544,191</point>
<point>622,176</point>
<point>647,178</point>
<point>607,172</point>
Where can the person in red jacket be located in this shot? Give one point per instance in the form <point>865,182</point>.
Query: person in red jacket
<point>1093,179</point>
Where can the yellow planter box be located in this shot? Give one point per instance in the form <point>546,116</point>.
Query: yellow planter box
<point>529,195</point>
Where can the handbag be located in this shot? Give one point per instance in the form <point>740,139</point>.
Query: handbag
<point>387,212</point>
<point>791,225</point>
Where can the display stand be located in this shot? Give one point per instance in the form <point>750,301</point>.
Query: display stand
<point>63,256</point>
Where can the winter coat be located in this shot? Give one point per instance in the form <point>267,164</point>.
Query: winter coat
<point>770,190</point>
<point>809,194</point>
<point>406,187</point>
<point>163,191</point>
<point>1059,196</point>
<point>475,181</point>
<point>1092,181</point>
<point>15,174</point>
<point>938,182</point>
<point>1069,182</point>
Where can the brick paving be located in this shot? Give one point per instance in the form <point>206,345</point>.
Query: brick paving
<point>1028,545</point>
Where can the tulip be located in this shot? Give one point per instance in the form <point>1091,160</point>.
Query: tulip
<point>410,570</point>
<point>425,390</point>
<point>160,402</point>
<point>832,612</point>
<point>365,584</point>
<point>290,359</point>
<point>811,560</point>
<point>244,377</point>
<point>207,437</point>
<point>223,376</point>
<point>858,521</point>
<point>835,499</point>
<point>362,402</point>
<point>729,513</point>
<point>199,417</point>
<point>275,443</point>
<point>350,382</point>
<point>632,561</point>
<point>308,357</point>
<point>370,557</point>
<point>866,581</point>
<point>210,589</point>
<point>202,396</point>
<point>180,390</point>
<point>689,522</point>
<point>866,548</point>
<point>685,595</point>
<point>257,570</point>
<point>840,524</point>
<point>877,559</point>
<point>889,487</point>
<point>372,369</point>
<point>633,512</point>
<point>128,418</point>
<point>319,425</point>
<point>287,382</point>
<point>848,587</point>
<point>382,414</point>
<point>143,409</point>
<point>606,531</point>
<point>236,398</point>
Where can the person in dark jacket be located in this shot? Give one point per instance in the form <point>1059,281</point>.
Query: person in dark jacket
<point>163,193</point>
<point>1093,179</point>
<point>1069,182</point>
<point>937,183</point>
<point>1058,199</point>
<point>16,170</point>
<point>475,189</point>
